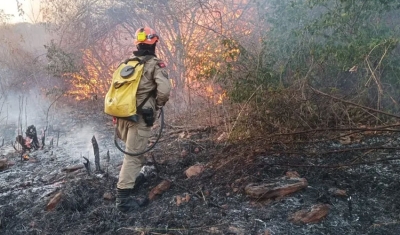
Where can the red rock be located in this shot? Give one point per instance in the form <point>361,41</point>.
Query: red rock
<point>194,170</point>
<point>178,200</point>
<point>159,189</point>
<point>108,196</point>
<point>338,192</point>
<point>313,215</point>
<point>292,174</point>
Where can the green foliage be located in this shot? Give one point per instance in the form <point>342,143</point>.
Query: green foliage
<point>348,49</point>
<point>60,63</point>
<point>320,40</point>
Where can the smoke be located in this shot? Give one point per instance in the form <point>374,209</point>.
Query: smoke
<point>24,109</point>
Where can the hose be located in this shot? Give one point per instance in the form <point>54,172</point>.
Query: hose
<point>150,147</point>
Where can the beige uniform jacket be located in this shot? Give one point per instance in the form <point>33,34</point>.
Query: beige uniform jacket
<point>154,77</point>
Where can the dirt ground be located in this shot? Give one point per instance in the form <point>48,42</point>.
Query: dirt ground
<point>215,201</point>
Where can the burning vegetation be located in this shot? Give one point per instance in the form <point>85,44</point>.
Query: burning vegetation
<point>283,119</point>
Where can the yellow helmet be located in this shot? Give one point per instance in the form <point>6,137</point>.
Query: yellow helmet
<point>146,35</point>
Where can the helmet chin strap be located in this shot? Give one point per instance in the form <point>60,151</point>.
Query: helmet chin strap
<point>144,53</point>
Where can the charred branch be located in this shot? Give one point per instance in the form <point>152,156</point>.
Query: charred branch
<point>87,165</point>
<point>96,154</point>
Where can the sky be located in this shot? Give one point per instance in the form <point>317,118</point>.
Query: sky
<point>30,7</point>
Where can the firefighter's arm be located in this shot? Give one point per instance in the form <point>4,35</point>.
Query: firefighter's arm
<point>163,84</point>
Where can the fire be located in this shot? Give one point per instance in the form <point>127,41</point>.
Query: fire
<point>215,93</point>
<point>91,80</point>
<point>206,52</point>
<point>221,97</point>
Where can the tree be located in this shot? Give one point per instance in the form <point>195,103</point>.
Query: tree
<point>330,38</point>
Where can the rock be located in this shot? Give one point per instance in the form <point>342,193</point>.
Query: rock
<point>313,215</point>
<point>178,200</point>
<point>337,192</point>
<point>108,196</point>
<point>292,174</point>
<point>3,164</point>
<point>267,232</point>
<point>277,189</point>
<point>184,153</point>
<point>187,197</point>
<point>214,230</point>
<point>53,202</point>
<point>159,189</point>
<point>194,170</point>
<point>236,230</point>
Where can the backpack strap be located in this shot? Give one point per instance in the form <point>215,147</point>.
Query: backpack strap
<point>140,106</point>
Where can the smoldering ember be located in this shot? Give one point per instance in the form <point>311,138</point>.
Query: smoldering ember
<point>266,117</point>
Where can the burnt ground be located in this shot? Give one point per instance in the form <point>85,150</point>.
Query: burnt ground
<point>218,203</point>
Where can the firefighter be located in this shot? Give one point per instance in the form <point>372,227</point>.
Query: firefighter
<point>155,87</point>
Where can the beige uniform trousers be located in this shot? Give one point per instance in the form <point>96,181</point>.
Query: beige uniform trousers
<point>135,136</point>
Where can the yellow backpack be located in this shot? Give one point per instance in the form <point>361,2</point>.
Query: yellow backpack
<point>120,100</point>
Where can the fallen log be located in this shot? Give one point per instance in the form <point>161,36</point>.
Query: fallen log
<point>72,168</point>
<point>278,189</point>
<point>54,201</point>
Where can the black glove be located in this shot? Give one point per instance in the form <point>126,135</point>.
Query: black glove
<point>148,116</point>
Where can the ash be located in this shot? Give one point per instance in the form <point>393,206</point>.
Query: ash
<point>217,202</point>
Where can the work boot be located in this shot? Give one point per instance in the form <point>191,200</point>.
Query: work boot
<point>138,182</point>
<point>144,174</point>
<point>124,202</point>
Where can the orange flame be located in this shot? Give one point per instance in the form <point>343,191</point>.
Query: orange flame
<point>91,80</point>
<point>212,91</point>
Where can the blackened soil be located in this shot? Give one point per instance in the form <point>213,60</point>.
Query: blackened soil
<point>217,204</point>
